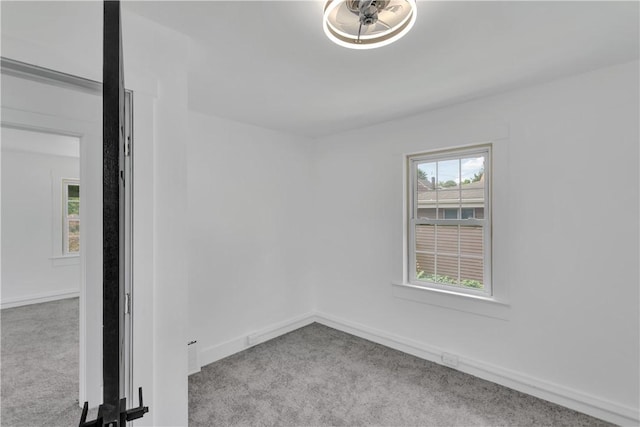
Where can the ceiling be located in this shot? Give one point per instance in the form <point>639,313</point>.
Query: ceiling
<point>269,63</point>
<point>39,142</point>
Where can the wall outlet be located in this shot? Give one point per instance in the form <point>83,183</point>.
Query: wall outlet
<point>252,339</point>
<point>450,360</point>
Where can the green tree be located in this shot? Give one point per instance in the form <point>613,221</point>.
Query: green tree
<point>477,176</point>
<point>448,184</point>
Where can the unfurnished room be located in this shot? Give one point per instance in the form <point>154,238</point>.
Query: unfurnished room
<point>320,213</point>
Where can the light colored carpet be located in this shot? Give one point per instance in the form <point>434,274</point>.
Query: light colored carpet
<point>315,376</point>
<point>39,371</point>
<point>318,376</point>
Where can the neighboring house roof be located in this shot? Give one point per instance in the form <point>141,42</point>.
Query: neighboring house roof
<point>424,185</point>
<point>472,193</point>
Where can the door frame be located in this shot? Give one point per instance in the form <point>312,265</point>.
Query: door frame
<point>18,119</point>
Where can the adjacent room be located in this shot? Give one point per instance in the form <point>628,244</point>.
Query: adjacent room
<point>345,212</point>
<point>40,272</point>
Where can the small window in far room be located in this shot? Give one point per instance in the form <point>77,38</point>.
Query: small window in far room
<point>71,217</point>
<point>449,222</point>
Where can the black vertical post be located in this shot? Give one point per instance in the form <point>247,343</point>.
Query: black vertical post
<point>113,137</point>
<point>113,412</point>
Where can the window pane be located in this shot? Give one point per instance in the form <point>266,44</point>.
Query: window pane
<point>447,239</point>
<point>74,243</point>
<point>448,190</point>
<point>472,187</point>
<point>451,213</point>
<point>427,213</point>
<point>467,213</point>
<point>425,266</point>
<point>73,208</point>
<point>471,273</point>
<point>472,169</point>
<point>448,173</point>
<point>447,269</point>
<point>425,238</point>
<point>425,185</point>
<point>473,195</point>
<point>74,236</point>
<point>448,199</point>
<point>74,192</point>
<point>471,241</point>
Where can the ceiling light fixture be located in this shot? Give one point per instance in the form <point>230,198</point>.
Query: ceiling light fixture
<point>367,24</point>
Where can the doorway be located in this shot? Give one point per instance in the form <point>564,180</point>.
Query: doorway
<point>40,274</point>
<point>45,102</point>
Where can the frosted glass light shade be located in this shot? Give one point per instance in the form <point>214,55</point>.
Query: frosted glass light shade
<point>342,23</point>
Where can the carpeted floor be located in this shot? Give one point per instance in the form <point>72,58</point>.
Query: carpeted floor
<point>39,371</point>
<point>315,376</point>
<point>318,376</point>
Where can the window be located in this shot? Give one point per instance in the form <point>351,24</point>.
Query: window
<point>449,221</point>
<point>71,217</point>
<point>468,213</point>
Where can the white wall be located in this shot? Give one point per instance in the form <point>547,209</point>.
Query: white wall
<point>249,221</point>
<point>32,227</point>
<point>565,232</point>
<point>64,36</point>
<point>155,69</point>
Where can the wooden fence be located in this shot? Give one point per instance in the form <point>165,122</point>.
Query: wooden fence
<point>440,248</point>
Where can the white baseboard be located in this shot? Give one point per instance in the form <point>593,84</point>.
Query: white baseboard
<point>573,399</point>
<point>38,298</point>
<point>225,349</point>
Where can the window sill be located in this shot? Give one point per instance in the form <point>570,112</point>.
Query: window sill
<point>62,260</point>
<point>480,305</point>
<point>65,256</point>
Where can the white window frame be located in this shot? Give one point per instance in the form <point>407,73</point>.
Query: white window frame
<point>66,182</point>
<point>413,220</point>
